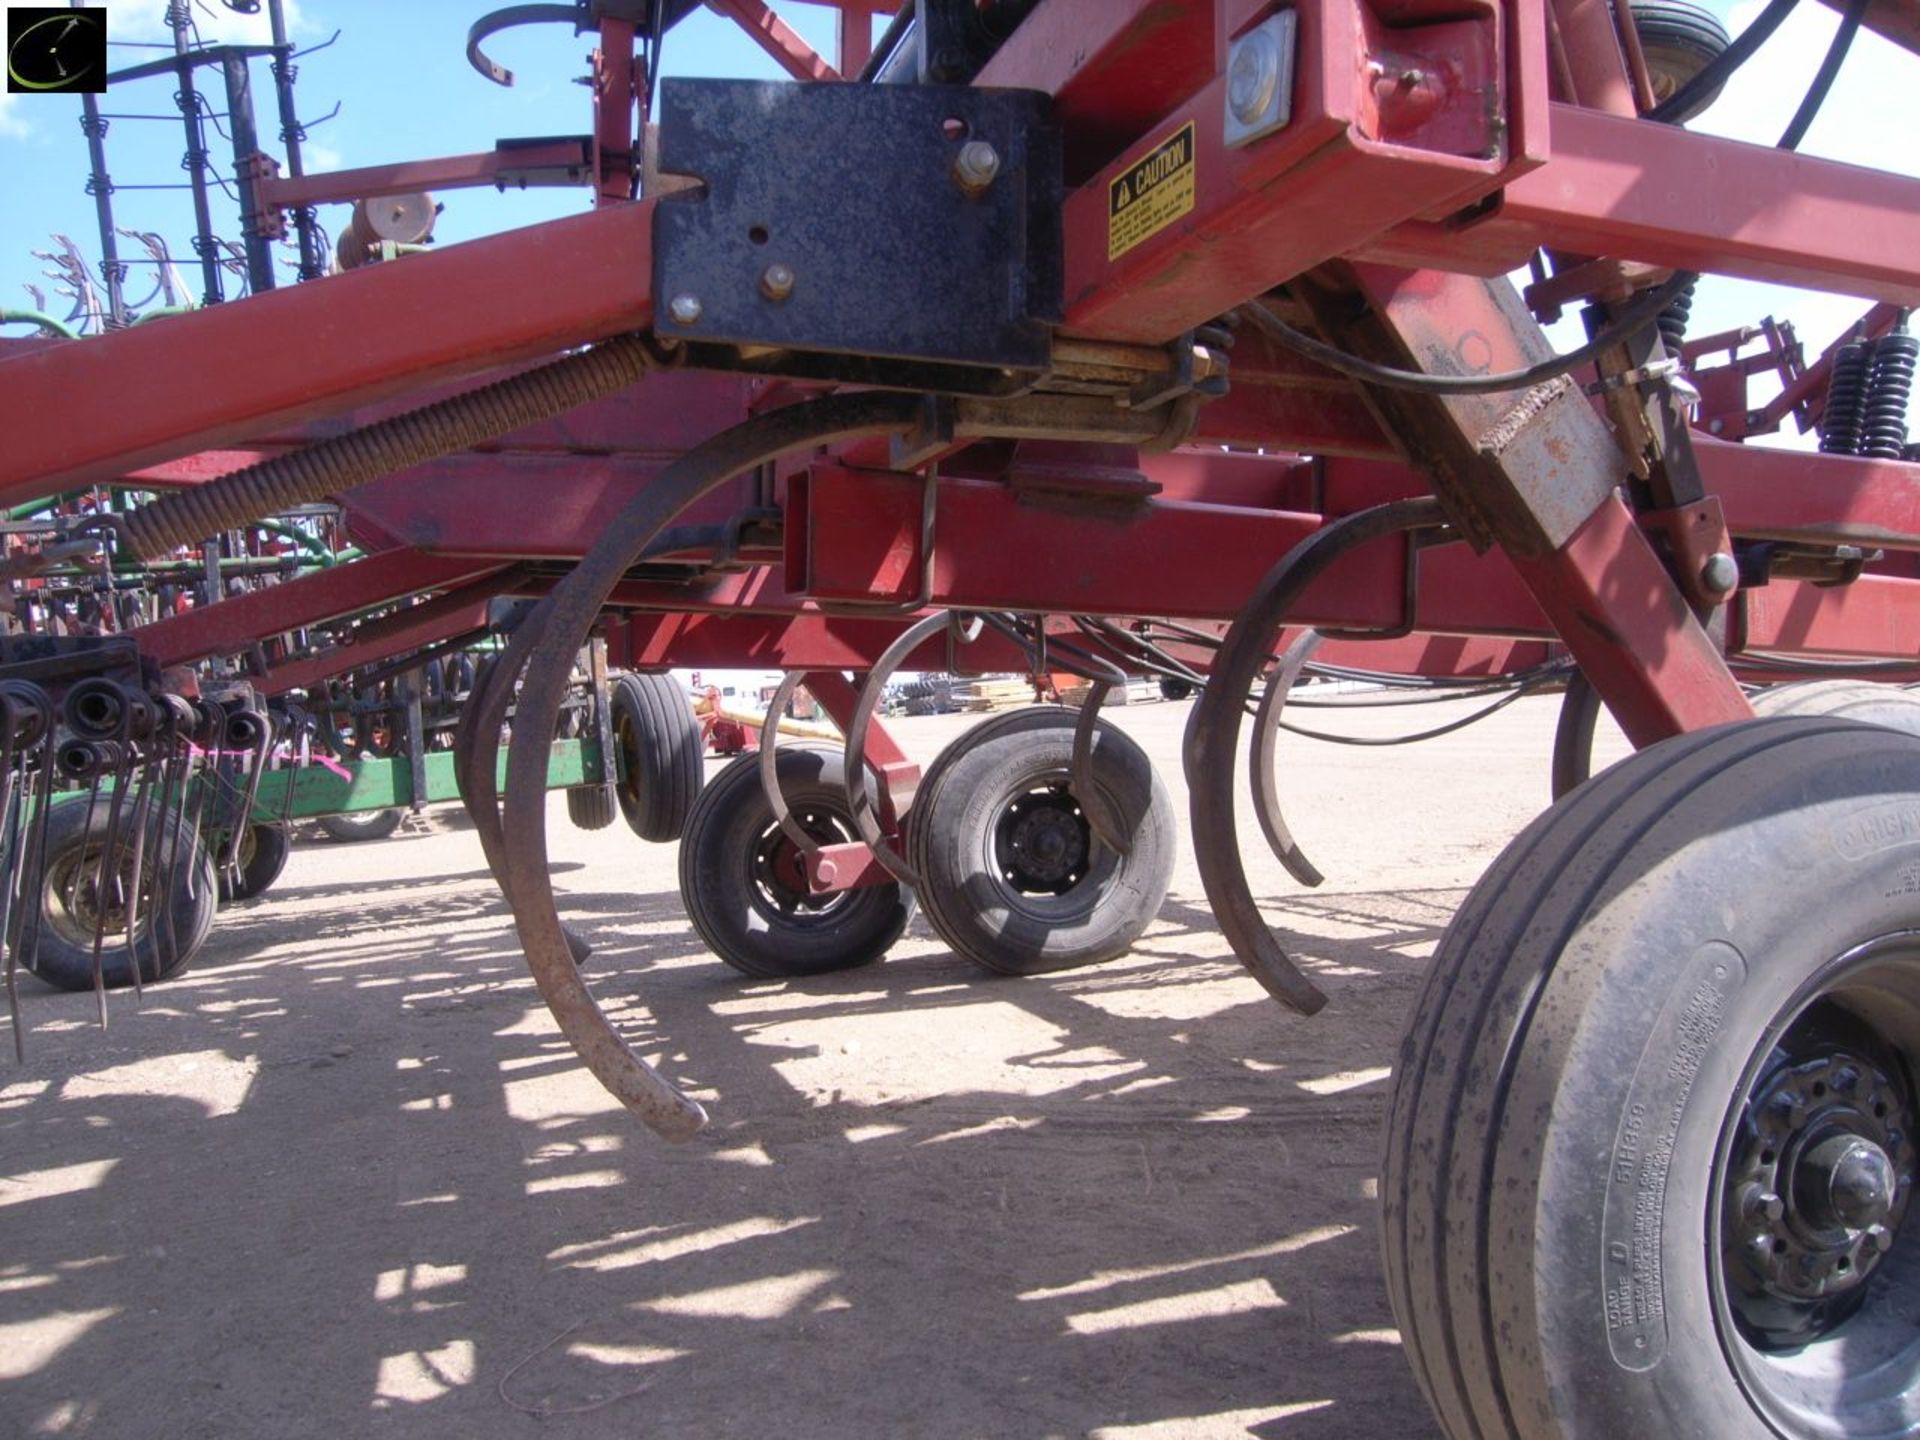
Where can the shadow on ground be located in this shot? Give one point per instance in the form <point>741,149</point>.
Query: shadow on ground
<point>354,1184</point>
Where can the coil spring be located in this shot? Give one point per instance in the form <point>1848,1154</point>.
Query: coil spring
<point>1846,399</point>
<point>1672,322</point>
<point>325,468</point>
<point>1883,427</point>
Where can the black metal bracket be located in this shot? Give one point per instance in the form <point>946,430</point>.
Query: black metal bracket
<point>841,225</point>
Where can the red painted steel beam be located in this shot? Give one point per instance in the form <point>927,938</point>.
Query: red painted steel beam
<point>1615,608</point>
<point>500,166</point>
<point>616,90</point>
<point>154,392</point>
<point>1772,494</point>
<point>458,612</point>
<point>230,626</point>
<point>1672,197</point>
<point>777,38</point>
<point>1114,67</point>
<point>1877,617</point>
<point>1360,155</point>
<point>793,642</point>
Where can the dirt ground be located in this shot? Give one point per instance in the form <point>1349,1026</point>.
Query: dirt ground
<point>343,1178</point>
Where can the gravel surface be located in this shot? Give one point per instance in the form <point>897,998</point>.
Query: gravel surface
<point>342,1178</point>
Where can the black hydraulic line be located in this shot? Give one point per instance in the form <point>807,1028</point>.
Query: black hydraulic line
<point>1518,692</point>
<point>544,646</point>
<point>888,42</point>
<point>1573,735</point>
<point>1642,312</point>
<point>1721,67</point>
<point>1214,733</point>
<point>303,476</point>
<point>1632,320</point>
<point>1824,77</point>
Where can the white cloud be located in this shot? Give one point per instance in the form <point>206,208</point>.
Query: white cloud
<point>13,125</point>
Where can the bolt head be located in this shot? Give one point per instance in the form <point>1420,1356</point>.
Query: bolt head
<point>1880,1237</point>
<point>685,309</point>
<point>776,281</point>
<point>976,165</point>
<point>1720,574</point>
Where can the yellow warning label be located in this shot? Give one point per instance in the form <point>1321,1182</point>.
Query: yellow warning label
<point>1151,195</point>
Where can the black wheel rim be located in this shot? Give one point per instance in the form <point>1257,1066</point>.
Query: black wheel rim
<point>77,902</point>
<point>1040,856</point>
<point>776,871</point>
<point>626,738</point>
<point>1815,1260</point>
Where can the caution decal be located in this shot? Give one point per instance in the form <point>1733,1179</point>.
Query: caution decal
<point>1152,194</point>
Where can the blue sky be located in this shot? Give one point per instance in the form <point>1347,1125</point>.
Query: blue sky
<point>406,91</point>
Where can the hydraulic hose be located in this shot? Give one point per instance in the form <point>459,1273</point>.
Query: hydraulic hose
<point>303,476</point>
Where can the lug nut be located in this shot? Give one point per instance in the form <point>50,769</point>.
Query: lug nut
<point>975,167</point>
<point>1760,1205</point>
<point>685,309</point>
<point>1720,574</point>
<point>776,281</point>
<point>1880,1237</point>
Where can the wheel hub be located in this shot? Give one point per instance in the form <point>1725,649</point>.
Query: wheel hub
<point>1819,1187</point>
<point>780,869</point>
<point>1044,842</point>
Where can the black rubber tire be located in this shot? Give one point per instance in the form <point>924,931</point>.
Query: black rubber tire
<point>263,855</point>
<point>729,829</point>
<point>63,953</point>
<point>592,807</point>
<point>363,825</point>
<point>1575,1056</point>
<point>1680,39</point>
<point>663,756</point>
<point>1860,700</point>
<point>951,842</point>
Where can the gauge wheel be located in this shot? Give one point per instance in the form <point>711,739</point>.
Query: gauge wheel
<point>744,884</point>
<point>1679,40</point>
<point>362,825</point>
<point>662,755</point>
<point>73,901</point>
<point>1012,875</point>
<point>591,807</point>
<point>1651,1138</point>
<point>261,857</point>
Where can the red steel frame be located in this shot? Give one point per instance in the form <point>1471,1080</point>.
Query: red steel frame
<point>1422,188</point>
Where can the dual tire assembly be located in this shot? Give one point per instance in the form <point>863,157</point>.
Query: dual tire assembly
<point>1013,876</point>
